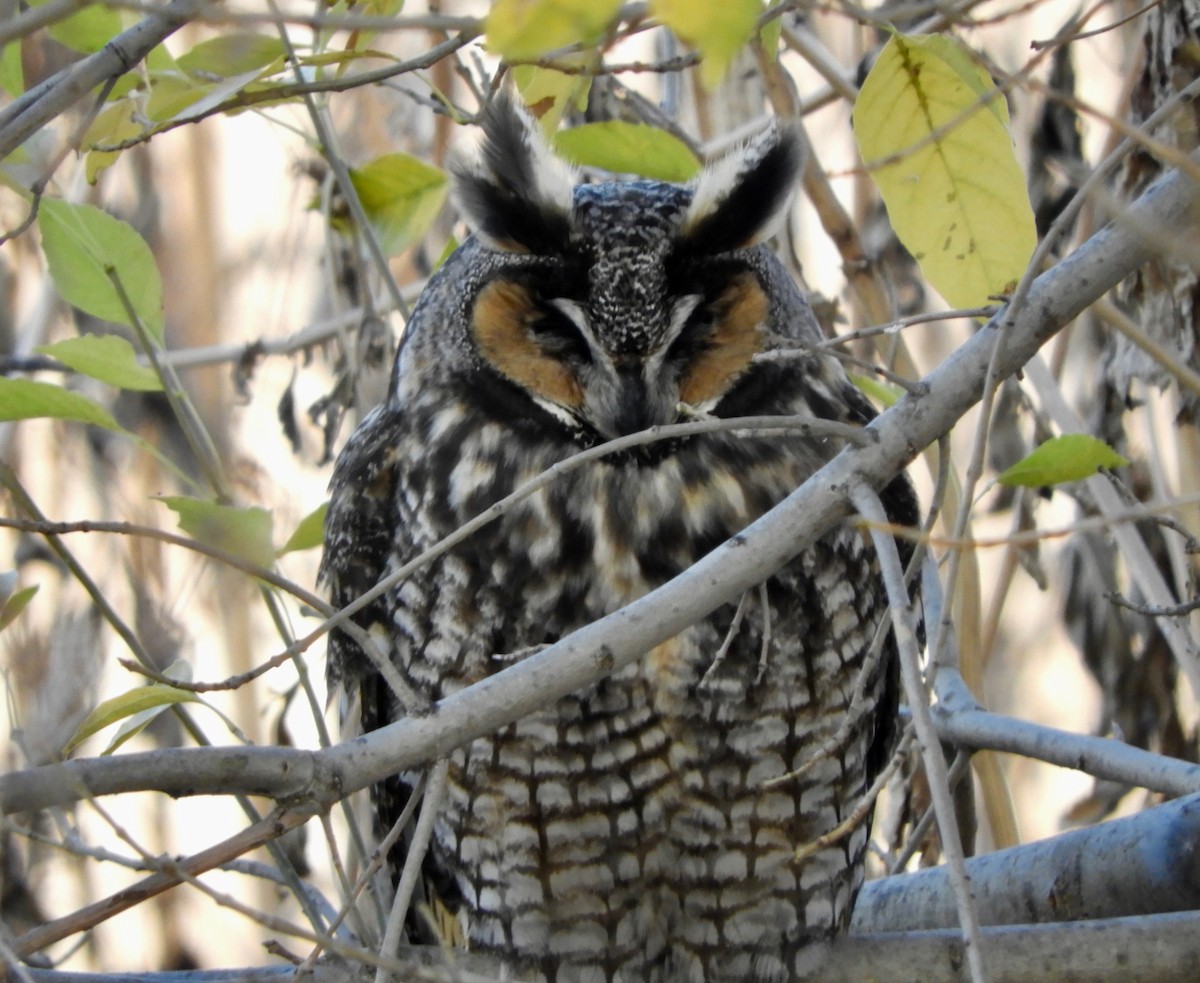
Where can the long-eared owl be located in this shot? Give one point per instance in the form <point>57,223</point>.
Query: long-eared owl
<point>635,831</point>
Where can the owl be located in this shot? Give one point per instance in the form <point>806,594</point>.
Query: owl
<point>659,826</point>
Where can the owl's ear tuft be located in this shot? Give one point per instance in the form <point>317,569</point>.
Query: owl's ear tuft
<point>513,191</point>
<point>741,199</point>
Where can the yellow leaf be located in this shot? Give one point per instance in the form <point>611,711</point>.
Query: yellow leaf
<point>933,131</point>
<point>550,94</point>
<point>718,29</point>
<point>519,29</point>
<point>115,125</point>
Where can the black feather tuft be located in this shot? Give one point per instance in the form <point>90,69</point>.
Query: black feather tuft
<point>736,207</point>
<point>517,193</point>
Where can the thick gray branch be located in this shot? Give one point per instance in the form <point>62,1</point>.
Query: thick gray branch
<point>1150,949</point>
<point>591,653</point>
<point>1145,864</point>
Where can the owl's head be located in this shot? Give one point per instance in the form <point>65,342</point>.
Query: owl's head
<point>610,305</point>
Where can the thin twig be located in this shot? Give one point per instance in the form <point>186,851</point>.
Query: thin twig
<point>728,640</point>
<point>871,508</point>
<point>376,861</point>
<point>1154,610</point>
<point>259,833</point>
<point>430,807</point>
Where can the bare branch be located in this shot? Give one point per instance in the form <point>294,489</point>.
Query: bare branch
<point>1141,865</point>
<point>871,508</point>
<point>1151,949</point>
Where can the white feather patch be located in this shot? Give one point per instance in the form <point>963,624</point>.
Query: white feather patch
<point>719,178</point>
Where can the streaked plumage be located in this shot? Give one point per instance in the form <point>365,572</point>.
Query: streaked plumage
<point>624,833</point>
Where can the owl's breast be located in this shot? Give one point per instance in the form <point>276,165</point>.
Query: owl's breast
<point>638,822</point>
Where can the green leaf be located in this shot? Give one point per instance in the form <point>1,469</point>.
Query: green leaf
<point>109,358</point>
<point>82,244</point>
<point>933,131</point>
<point>884,395</point>
<point>24,399</point>
<point>447,252</point>
<point>769,35</point>
<point>1059,460</point>
<point>629,148</point>
<point>87,31</point>
<point>14,604</point>
<point>310,532</point>
<point>718,29</point>
<point>358,41</point>
<point>240,532</point>
<point>522,29</point>
<point>401,196</point>
<point>232,54</point>
<point>119,122</point>
<point>213,94</point>
<point>148,701</point>
<point>168,95</point>
<point>12,74</point>
<point>211,73</point>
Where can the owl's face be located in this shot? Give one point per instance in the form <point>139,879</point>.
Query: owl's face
<point>616,307</point>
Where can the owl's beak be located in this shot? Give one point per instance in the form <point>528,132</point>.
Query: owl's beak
<point>632,405</point>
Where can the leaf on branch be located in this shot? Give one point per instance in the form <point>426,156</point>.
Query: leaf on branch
<point>240,532</point>
<point>137,707</point>
<point>520,29</point>
<point>109,358</point>
<point>628,148</point>
<point>14,604</point>
<point>82,244</point>
<point>233,54</point>
<point>359,41</point>
<point>718,29</point>
<point>933,131</point>
<point>550,95</point>
<point>309,533</point>
<point>116,124</point>
<point>401,196</point>
<point>1071,457</point>
<point>768,37</point>
<point>88,30</point>
<point>24,399</point>
<point>884,395</point>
